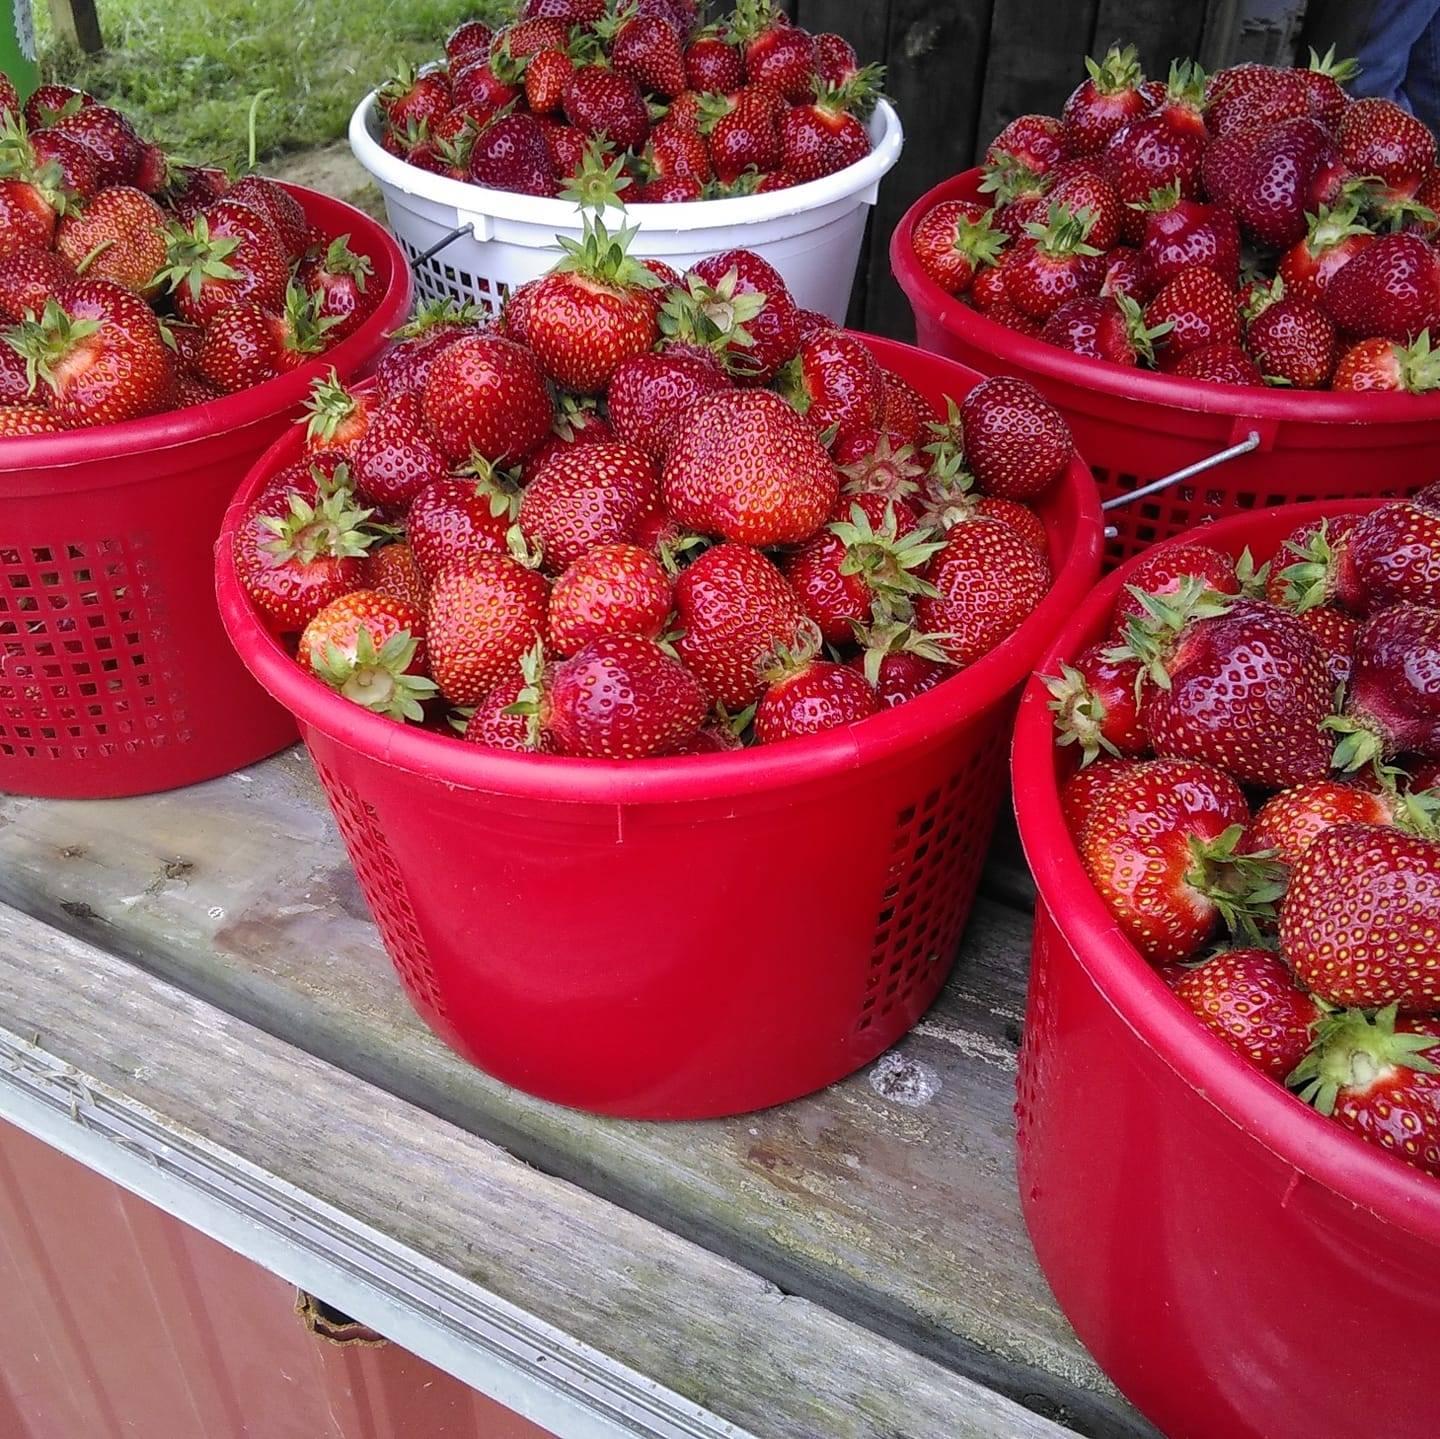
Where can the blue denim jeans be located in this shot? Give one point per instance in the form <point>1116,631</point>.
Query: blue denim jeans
<point>1400,56</point>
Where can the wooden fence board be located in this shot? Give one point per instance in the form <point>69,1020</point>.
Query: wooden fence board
<point>1159,29</point>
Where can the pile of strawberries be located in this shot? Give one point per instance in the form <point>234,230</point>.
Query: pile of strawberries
<point>130,284</point>
<point>1266,750</point>
<point>1255,226</point>
<point>635,98</point>
<point>640,515</point>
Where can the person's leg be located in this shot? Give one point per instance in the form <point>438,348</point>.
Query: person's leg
<point>1422,79</point>
<point>1393,30</point>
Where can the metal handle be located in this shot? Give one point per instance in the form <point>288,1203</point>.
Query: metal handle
<point>417,260</point>
<point>1249,443</point>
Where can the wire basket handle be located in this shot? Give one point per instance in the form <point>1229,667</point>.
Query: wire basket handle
<point>1165,482</point>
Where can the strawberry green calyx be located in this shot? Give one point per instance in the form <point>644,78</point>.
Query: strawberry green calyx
<point>521,548</point>
<point>431,313</point>
<point>1080,714</point>
<point>713,317</point>
<point>1341,71</point>
<point>979,241</point>
<point>305,326</point>
<point>786,660</point>
<point>946,450</point>
<point>1064,232</point>
<point>532,701</point>
<point>599,181</point>
<point>1262,295</point>
<point>501,487</point>
<point>340,259</point>
<point>1419,365</point>
<point>1007,180</point>
<point>193,256</point>
<point>329,406</point>
<point>1359,745</point>
<point>604,258</point>
<point>749,19</point>
<point>892,631</point>
<point>376,679</point>
<point>1150,637</point>
<point>1117,72</point>
<point>1186,85</point>
<point>857,94</point>
<point>1306,583</point>
<point>1331,224</point>
<point>1351,1051</point>
<point>1159,201</point>
<point>885,559</point>
<point>888,469</point>
<point>617,14</point>
<point>45,342</point>
<point>1141,336</point>
<point>572,415</point>
<point>335,528</point>
<point>1245,888</point>
<point>400,84</point>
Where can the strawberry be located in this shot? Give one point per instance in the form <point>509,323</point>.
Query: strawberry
<point>393,458</point>
<point>777,54</point>
<point>675,153</point>
<point>391,570</point>
<point>1180,234</point>
<point>436,325</point>
<point>672,190</point>
<point>28,278</point>
<point>1333,238</point>
<point>1314,567</point>
<point>1359,920</point>
<point>1104,327</point>
<point>546,77</point>
<point>743,132</point>
<point>825,135</point>
<point>337,416</point>
<point>1096,705</point>
<point>834,381</point>
<point>1294,341</point>
<point>109,136</point>
<point>510,153</point>
<point>193,188</point>
<point>810,696</point>
<point>607,102</point>
<point>1274,177</point>
<point>278,206</point>
<point>480,92</point>
<point>648,393</point>
<point>904,411</point>
<point>1159,844</point>
<point>1251,96</point>
<point>49,102</point>
<point>1337,635</point>
<point>480,617</point>
<point>1201,309</point>
<point>1378,1079</point>
<point>246,345</point>
<point>230,255</point>
<point>987,581</point>
<point>1163,146</point>
<point>453,519</point>
<point>621,697</point>
<point>743,465</point>
<point>54,151</point>
<point>1017,196</point>
<point>737,295</point>
<point>1392,555</point>
<point>1128,272</point>
<point>586,495</point>
<point>735,609</point>
<point>29,212</point>
<point>836,59</point>
<point>616,589</point>
<point>1240,684</point>
<point>1083,794</point>
<point>369,647</point>
<point>408,98</point>
<point>572,12</point>
<point>1220,364</point>
<point>468,40</point>
<point>650,52</point>
<point>1390,289</point>
<point>1110,96</point>
<point>900,675</point>
<point>713,65</point>
<point>1392,704</point>
<point>1290,822</point>
<point>1033,142</point>
<point>1016,442</point>
<point>341,278</point>
<point>487,396</point>
<point>1378,137</point>
<point>16,421</point>
<point>1248,999</point>
<point>1381,364</point>
<point>576,423</point>
<point>1056,264</point>
<point>592,310</point>
<point>1021,518</point>
<point>1090,195</point>
<point>512,716</point>
<point>15,379</point>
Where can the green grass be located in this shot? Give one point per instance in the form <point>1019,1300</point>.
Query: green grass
<point>185,71</point>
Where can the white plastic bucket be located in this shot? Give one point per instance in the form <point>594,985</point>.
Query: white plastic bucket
<point>811,233</point>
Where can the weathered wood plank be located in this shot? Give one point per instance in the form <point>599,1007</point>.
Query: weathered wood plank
<point>705,1328</point>
<point>77,22</point>
<point>890,1196</point>
<point>1160,30</point>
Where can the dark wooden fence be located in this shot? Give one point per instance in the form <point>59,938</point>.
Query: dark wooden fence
<point>960,69</point>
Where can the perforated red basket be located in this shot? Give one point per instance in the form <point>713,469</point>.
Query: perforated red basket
<point>682,937</point>
<point>115,675</point>
<point>1135,426</point>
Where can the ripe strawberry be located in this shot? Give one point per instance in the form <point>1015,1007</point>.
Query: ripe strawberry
<point>451,520</point>
<point>586,495</point>
<point>576,423</point>
<point>1290,822</point>
<point>193,188</point>
<point>1163,146</point>
<point>737,304</point>
<point>341,278</point>
<point>1381,364</point>
<point>513,715</point>
<point>1379,1080</point>
<point>246,345</point>
<point>1392,704</point>
<point>1248,999</point>
<point>834,381</point>
<point>28,277</point>
<point>572,12</point>
<point>369,647</point>
<point>1334,237</point>
<point>1083,794</point>
<point>1391,556</point>
<point>436,325</point>
<point>546,77</point>
<point>616,589</point>
<point>1033,142</point>
<point>1337,635</point>
<point>777,54</point>
<point>109,136</point>
<point>734,610</point>
<point>229,256</point>
<point>1180,234</point>
<point>1378,137</point>
<point>743,465</point>
<point>904,411</point>
<point>650,52</point>
<point>648,393</point>
<point>1240,684</point>
<point>1096,705</point>
<point>391,570</point>
<point>677,154</point>
<point>953,240</point>
<point>1359,918</point>
<point>408,98</point>
<point>338,417</point>
<point>1104,327</point>
<point>480,617</point>
<point>1158,841</point>
<point>1390,289</point>
<point>836,59</point>
<point>1109,97</point>
<point>1016,442</point>
<point>278,206</point>
<point>825,135</point>
<point>478,90</point>
<point>1251,96</point>
<point>1021,518</point>
<point>810,696</point>
<point>987,582</point>
<point>591,311</point>
<point>623,698</point>
<point>1274,177</point>
<point>48,103</point>
<point>1294,341</point>
<point>1201,309</point>
<point>511,153</point>
<point>713,65</point>
<point>1218,365</point>
<point>1128,272</point>
<point>487,396</point>
<point>29,212</point>
<point>607,102</point>
<point>15,379</point>
<point>17,421</point>
<point>393,459</point>
<point>468,40</point>
<point>57,154</point>
<point>1055,263</point>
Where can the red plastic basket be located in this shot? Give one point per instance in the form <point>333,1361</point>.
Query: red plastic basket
<point>1240,1266</point>
<point>683,937</point>
<point>115,676</point>
<point>1134,426</point>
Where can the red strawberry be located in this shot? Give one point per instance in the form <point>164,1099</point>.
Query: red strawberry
<point>621,697</point>
<point>1337,634</point>
<point>572,12</point>
<point>737,304</point>
<point>1325,82</point>
<point>391,570</point>
<point>953,240</point>
<point>1096,705</point>
<point>734,610</point>
<point>28,277</point>
<point>15,379</point>
<point>480,617</point>
<point>1294,341</point>
<point>1180,234</point>
<point>825,135</point>
<point>648,393</point>
<point>1333,239</point>
<point>836,59</point>
<point>1163,146</point>
<point>337,416</point>
<point>1378,137</point>
<point>1381,364</point>
<point>743,465</point>
<point>677,154</point>
<point>17,421</point>
<point>1128,272</point>
<point>487,396</point>
<point>1033,142</point>
<point>513,715</point>
<point>1083,794</point>
<point>468,40</point>
<point>409,98</point>
<point>713,65</point>
<point>777,54</point>
<point>1252,96</point>
<point>452,520</point>
<point>612,589</point>
<point>394,458</point>
<point>743,133</point>
<point>1159,845</point>
<point>51,101</point>
<point>435,326</point>
<point>586,495</point>
<point>1021,518</point>
<point>1392,704</point>
<point>278,206</point>
<point>1109,97</point>
<point>987,580</point>
<point>900,675</point>
<point>1220,364</point>
<point>1016,442</point>
<point>1390,289</point>
<point>230,255</point>
<point>1290,822</point>
<point>511,154</point>
<point>246,345</point>
<point>810,696</point>
<point>546,77</point>
<point>904,411</point>
<point>342,280</point>
<point>478,90</point>
<point>1054,264</point>
<point>1201,309</point>
<point>1249,1000</point>
<point>1379,1080</point>
<point>78,167</point>
<point>1391,556</point>
<point>369,648</point>
<point>109,136</point>
<point>834,381</point>
<point>607,102</point>
<point>1360,916</point>
<point>591,312</point>
<point>650,52</point>
<point>29,211</point>
<point>1104,327</point>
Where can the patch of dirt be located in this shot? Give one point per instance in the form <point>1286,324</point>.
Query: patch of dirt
<point>333,170</point>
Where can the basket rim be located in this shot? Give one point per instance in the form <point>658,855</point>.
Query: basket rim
<point>677,778</point>
<point>1128,382</point>
<point>172,428</point>
<point>1289,1129</point>
<point>561,216</point>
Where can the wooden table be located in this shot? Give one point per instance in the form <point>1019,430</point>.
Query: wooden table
<point>193,1000</point>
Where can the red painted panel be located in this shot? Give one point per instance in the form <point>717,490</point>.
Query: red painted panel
<point>120,1321</point>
